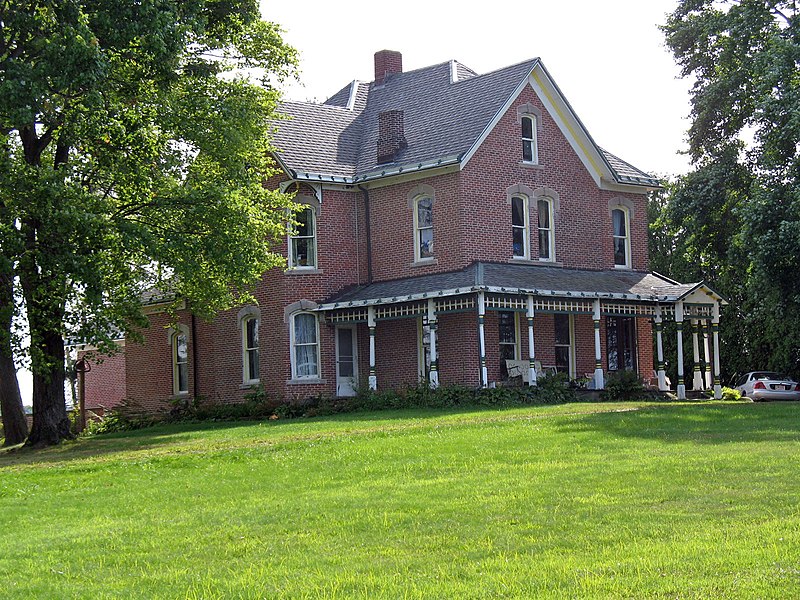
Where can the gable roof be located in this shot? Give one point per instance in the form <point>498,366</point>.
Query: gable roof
<point>336,140</point>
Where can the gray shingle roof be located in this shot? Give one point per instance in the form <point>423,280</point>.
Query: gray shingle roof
<point>541,280</point>
<point>336,140</point>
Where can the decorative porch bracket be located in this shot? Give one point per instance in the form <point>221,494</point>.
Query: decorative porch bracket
<point>662,373</point>
<point>679,326</point>
<point>432,323</point>
<point>531,350</point>
<point>599,384</point>
<point>373,378</point>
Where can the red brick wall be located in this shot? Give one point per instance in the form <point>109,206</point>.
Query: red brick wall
<point>583,233</point>
<point>472,221</point>
<point>105,383</point>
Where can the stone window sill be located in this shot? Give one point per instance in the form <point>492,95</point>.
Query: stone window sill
<point>539,263</point>
<point>530,165</point>
<point>250,385</point>
<point>309,381</point>
<point>425,262</point>
<point>303,271</point>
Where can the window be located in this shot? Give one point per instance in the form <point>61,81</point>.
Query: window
<point>509,344</point>
<point>250,349</point>
<point>546,241</point>
<point>423,227</point>
<point>530,153</point>
<point>180,364</point>
<point>564,344</point>
<point>305,346</point>
<point>519,226</point>
<point>303,241</point>
<point>621,343</point>
<point>622,241</point>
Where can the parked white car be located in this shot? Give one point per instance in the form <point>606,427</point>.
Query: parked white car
<point>768,385</point>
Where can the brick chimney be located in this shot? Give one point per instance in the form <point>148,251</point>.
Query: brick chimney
<point>387,62</point>
<point>391,138</point>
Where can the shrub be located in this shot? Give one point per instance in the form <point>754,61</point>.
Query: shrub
<point>729,394</point>
<point>622,386</point>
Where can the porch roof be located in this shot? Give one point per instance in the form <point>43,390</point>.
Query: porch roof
<point>533,279</point>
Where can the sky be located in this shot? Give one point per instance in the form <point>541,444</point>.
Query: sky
<point>607,56</point>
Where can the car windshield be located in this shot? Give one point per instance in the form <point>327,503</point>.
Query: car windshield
<point>769,375</point>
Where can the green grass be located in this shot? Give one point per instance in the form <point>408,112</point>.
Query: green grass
<point>569,501</point>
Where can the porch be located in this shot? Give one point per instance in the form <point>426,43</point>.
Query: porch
<point>489,318</point>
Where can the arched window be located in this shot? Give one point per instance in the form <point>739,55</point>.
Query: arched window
<point>180,363</point>
<point>305,346</point>
<point>546,238</point>
<point>250,348</point>
<point>530,152</point>
<point>303,240</point>
<point>423,227</point>
<point>622,241</point>
<point>520,226</point>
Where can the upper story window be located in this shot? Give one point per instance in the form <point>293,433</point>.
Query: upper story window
<point>520,227</point>
<point>622,241</point>
<point>250,349</point>
<point>305,346</point>
<point>180,363</point>
<point>546,237</point>
<point>423,227</point>
<point>303,240</point>
<point>530,151</point>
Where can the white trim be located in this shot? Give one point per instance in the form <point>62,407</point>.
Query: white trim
<point>174,334</point>
<point>243,322</point>
<point>417,230</point>
<point>526,227</point>
<point>292,346</point>
<point>551,230</point>
<point>627,222</point>
<point>312,225</point>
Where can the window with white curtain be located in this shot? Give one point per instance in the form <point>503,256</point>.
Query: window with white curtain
<point>180,364</point>
<point>305,346</point>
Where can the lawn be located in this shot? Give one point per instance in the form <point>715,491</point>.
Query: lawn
<point>570,501</point>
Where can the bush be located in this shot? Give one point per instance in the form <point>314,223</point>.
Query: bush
<point>622,386</point>
<point>729,394</point>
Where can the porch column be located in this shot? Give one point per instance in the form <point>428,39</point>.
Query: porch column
<point>697,381</point>
<point>599,384</point>
<point>679,325</point>
<point>715,331</point>
<point>707,355</point>
<point>432,322</point>
<point>662,374</point>
<point>482,339</point>
<point>531,351</point>
<point>373,379</point>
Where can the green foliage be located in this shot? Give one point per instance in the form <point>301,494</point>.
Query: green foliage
<point>735,221</point>
<point>622,386</point>
<point>133,153</point>
<point>731,395</point>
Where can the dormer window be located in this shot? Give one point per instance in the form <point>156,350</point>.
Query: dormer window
<point>546,238</point>
<point>423,227</point>
<point>530,152</point>
<point>519,227</point>
<point>302,242</point>
<point>622,241</point>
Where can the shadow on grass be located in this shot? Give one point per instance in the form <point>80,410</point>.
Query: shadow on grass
<point>703,424</point>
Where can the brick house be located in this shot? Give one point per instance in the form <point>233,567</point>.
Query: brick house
<point>457,228</point>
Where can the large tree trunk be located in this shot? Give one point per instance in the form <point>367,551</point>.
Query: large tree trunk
<point>50,422</point>
<point>15,427</point>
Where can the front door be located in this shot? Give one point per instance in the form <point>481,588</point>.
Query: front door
<point>346,361</point>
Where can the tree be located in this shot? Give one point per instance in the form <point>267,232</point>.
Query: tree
<point>745,58</point>
<point>137,158</point>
